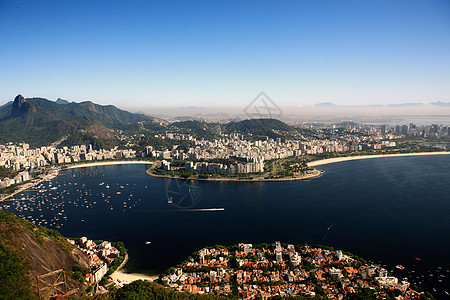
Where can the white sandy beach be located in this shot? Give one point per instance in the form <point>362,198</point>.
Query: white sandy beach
<point>107,163</point>
<point>346,158</point>
<point>125,278</point>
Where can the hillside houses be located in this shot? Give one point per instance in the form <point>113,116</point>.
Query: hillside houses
<point>262,271</point>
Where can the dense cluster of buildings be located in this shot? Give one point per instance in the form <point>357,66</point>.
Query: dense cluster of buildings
<point>250,154</point>
<point>255,166</point>
<point>101,256</point>
<point>237,147</point>
<point>429,131</point>
<point>19,178</point>
<point>21,158</point>
<point>282,270</point>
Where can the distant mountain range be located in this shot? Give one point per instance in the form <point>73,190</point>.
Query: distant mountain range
<point>439,103</point>
<point>41,122</point>
<point>325,104</point>
<point>401,105</point>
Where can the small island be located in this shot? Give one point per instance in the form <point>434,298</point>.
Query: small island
<point>247,271</point>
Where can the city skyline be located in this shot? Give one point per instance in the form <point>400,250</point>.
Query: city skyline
<point>177,54</point>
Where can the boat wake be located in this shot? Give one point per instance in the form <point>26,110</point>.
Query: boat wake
<point>194,209</point>
<point>328,229</point>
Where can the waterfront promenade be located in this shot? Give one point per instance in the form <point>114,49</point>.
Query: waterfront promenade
<point>347,158</point>
<point>108,163</point>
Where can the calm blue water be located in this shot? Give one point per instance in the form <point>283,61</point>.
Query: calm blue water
<point>387,210</point>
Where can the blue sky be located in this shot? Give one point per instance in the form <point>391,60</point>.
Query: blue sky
<point>223,53</point>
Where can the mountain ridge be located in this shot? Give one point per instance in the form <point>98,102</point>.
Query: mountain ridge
<point>390,105</point>
<point>40,121</point>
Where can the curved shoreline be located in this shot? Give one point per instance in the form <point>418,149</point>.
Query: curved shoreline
<point>122,264</point>
<point>109,163</point>
<point>309,176</point>
<point>356,157</point>
<point>122,277</point>
<point>317,172</point>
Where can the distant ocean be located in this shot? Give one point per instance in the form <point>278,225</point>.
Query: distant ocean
<point>389,210</point>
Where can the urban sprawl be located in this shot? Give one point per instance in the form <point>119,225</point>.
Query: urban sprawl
<point>249,155</point>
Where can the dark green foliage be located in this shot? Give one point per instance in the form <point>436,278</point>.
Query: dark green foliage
<point>199,129</point>
<point>40,128</point>
<point>109,115</point>
<point>8,218</point>
<point>7,172</point>
<point>160,144</point>
<point>271,128</point>
<point>118,261</point>
<point>371,294</point>
<point>84,138</point>
<point>120,246</point>
<point>324,247</point>
<point>14,283</point>
<point>295,297</point>
<point>273,169</point>
<point>78,273</point>
<point>319,291</point>
<point>41,122</point>
<point>104,281</point>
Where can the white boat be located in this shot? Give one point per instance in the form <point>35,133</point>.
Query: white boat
<point>148,243</point>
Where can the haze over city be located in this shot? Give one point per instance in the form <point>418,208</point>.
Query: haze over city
<point>207,54</point>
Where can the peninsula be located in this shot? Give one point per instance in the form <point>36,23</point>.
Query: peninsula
<point>274,170</point>
<point>247,271</point>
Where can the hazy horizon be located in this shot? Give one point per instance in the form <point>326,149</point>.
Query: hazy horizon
<point>395,113</point>
<point>321,104</point>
